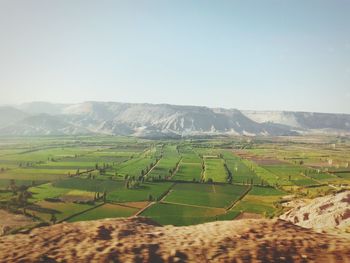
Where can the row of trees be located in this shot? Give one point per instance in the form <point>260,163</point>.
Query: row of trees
<point>21,194</point>
<point>26,164</point>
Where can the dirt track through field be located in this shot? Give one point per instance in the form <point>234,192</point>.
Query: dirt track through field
<point>234,203</point>
<point>152,203</point>
<point>177,168</point>
<point>152,168</point>
<point>143,209</point>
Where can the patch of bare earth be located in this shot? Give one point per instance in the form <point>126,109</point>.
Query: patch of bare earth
<point>259,159</point>
<point>141,240</point>
<point>246,215</point>
<point>9,221</point>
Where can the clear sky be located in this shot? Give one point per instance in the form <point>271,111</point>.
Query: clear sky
<point>262,54</point>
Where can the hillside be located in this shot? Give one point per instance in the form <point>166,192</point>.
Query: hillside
<point>140,240</point>
<point>307,121</point>
<point>10,115</point>
<point>43,124</point>
<point>323,213</point>
<point>159,120</point>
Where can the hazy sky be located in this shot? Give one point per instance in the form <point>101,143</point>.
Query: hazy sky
<point>264,55</point>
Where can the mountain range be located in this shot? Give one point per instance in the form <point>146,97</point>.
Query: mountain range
<point>161,120</point>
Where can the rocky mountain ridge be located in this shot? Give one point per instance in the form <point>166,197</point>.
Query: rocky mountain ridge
<point>161,120</point>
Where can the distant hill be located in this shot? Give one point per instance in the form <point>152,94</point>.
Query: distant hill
<point>43,124</point>
<point>10,115</point>
<point>161,120</point>
<point>303,120</point>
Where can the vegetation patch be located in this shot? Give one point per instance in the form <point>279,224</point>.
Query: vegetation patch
<point>105,211</point>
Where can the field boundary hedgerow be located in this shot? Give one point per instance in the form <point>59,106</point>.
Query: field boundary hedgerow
<point>139,212</point>
<point>239,199</point>
<point>176,168</point>
<point>80,213</point>
<point>198,206</point>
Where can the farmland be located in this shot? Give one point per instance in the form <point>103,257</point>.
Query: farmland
<point>190,167</point>
<point>179,182</point>
<point>214,169</point>
<point>211,195</point>
<point>174,214</point>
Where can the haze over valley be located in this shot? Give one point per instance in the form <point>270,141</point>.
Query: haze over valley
<point>161,120</point>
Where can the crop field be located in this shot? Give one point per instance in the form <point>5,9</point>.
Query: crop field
<point>215,169</point>
<point>44,191</point>
<point>296,175</point>
<point>260,200</point>
<point>326,177</point>
<point>180,182</point>
<point>134,166</point>
<point>167,164</point>
<point>149,191</point>
<point>61,210</point>
<point>105,211</point>
<point>240,172</point>
<point>4,183</point>
<point>115,189</point>
<point>343,175</point>
<point>189,172</point>
<point>178,215</point>
<point>89,184</point>
<point>211,195</point>
<point>190,167</point>
<point>36,174</point>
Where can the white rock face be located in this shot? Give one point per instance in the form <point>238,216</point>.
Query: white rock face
<point>39,118</point>
<point>280,117</point>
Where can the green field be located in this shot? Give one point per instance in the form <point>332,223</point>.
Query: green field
<point>185,181</point>
<point>167,164</point>
<point>189,172</point>
<point>44,191</point>
<point>215,170</point>
<point>291,174</point>
<point>219,195</point>
<point>105,211</point>
<point>116,190</point>
<point>260,200</point>
<point>179,215</point>
<point>61,210</point>
<point>190,168</point>
<point>241,173</point>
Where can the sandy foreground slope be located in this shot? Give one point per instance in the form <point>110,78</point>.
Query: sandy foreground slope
<point>10,220</point>
<point>141,240</point>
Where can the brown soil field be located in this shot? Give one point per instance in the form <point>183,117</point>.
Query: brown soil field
<point>258,159</point>
<point>10,220</point>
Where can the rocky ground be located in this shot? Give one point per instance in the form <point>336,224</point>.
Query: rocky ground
<point>309,232</point>
<point>326,213</point>
<point>141,240</point>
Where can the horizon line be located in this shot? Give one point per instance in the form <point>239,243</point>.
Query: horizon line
<point>164,103</point>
